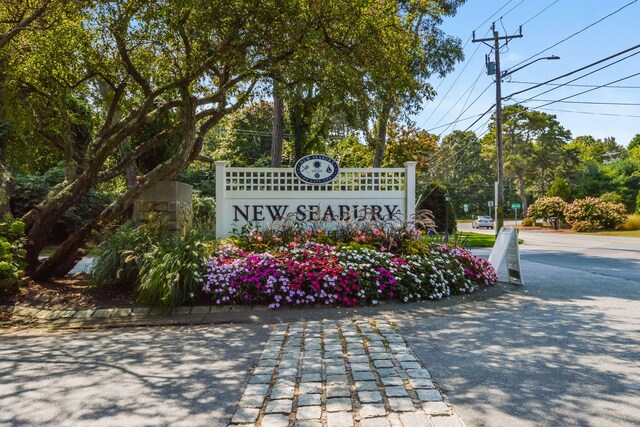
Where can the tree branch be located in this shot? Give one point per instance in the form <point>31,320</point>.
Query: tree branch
<point>131,69</point>
<point>24,24</point>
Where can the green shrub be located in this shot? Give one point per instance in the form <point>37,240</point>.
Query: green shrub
<point>116,267</point>
<point>611,198</point>
<point>162,269</point>
<point>529,222</point>
<point>582,226</point>
<point>204,210</point>
<point>170,271</point>
<point>547,207</point>
<point>560,187</point>
<point>11,256</point>
<point>432,199</point>
<point>593,213</point>
<point>638,203</point>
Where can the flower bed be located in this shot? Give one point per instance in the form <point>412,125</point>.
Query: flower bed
<point>315,273</point>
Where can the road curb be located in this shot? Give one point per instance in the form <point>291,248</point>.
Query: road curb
<point>106,318</point>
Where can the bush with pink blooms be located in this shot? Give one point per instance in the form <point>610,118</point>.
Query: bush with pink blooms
<point>591,213</point>
<point>547,207</point>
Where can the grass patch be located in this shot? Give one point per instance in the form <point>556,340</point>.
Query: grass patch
<point>479,240</point>
<point>617,233</point>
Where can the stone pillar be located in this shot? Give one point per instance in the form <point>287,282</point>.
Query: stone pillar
<point>168,202</point>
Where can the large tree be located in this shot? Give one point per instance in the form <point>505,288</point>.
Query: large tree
<point>533,146</point>
<point>378,73</point>
<point>185,65</point>
<point>16,18</point>
<point>467,175</point>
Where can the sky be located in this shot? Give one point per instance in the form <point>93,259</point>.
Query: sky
<point>556,20</point>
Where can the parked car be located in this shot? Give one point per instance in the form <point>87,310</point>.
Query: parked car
<point>482,221</point>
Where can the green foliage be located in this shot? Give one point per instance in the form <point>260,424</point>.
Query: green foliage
<point>203,179</point>
<point>432,199</point>
<point>115,267</point>
<point>592,213</point>
<point>547,207</point>
<point>638,203</point>
<point>529,221</point>
<point>170,271</point>
<point>611,197</point>
<point>560,187</point>
<point>162,269</point>
<point>204,211</point>
<point>351,153</point>
<point>11,256</point>
<point>599,151</point>
<point>244,137</point>
<point>469,181</point>
<point>31,190</point>
<point>409,144</point>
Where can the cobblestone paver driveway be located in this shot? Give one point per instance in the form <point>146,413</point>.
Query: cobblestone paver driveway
<point>356,372</point>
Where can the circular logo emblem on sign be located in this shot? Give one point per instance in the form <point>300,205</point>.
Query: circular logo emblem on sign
<point>316,169</point>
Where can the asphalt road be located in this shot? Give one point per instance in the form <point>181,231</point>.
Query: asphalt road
<point>562,350</point>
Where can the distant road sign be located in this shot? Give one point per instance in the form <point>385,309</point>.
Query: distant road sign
<point>490,203</point>
<point>466,207</point>
<point>516,205</point>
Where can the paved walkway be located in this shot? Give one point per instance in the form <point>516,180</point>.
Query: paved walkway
<point>356,372</point>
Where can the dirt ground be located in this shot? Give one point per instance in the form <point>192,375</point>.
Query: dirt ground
<point>75,292</point>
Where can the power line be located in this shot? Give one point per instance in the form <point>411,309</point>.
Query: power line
<point>493,14</point>
<point>571,85</point>
<point>468,61</point>
<point>537,14</point>
<point>588,112</point>
<point>580,69</point>
<point>580,102</point>
<point>447,93</point>
<point>452,123</point>
<point>470,91</point>
<point>450,87</point>
<point>577,32</point>
<point>508,11</point>
<point>583,76</point>
<point>588,90</point>
<point>470,105</point>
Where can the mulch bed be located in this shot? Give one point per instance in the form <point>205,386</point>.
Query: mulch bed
<point>74,292</point>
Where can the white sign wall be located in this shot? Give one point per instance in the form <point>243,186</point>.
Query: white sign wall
<point>263,195</point>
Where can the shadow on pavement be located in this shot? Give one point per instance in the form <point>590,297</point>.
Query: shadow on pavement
<point>563,350</point>
<point>163,376</point>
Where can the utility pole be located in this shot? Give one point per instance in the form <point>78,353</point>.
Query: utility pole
<point>494,69</point>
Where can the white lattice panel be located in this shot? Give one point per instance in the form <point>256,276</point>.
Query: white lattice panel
<point>264,195</point>
<point>267,179</point>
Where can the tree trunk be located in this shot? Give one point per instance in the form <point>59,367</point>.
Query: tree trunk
<point>7,184</point>
<point>381,140</point>
<point>38,221</point>
<point>278,128</point>
<point>72,250</point>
